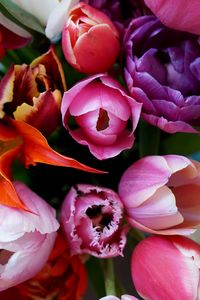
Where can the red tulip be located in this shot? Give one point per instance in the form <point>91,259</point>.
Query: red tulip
<point>90,41</point>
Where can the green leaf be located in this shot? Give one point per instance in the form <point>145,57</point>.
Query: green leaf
<point>20,16</point>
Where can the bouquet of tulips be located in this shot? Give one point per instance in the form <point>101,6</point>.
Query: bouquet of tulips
<point>99,150</point>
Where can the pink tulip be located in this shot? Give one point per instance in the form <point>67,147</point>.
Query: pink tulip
<point>91,219</point>
<point>26,238</point>
<point>166,268</point>
<point>90,41</point>
<point>101,109</point>
<point>161,194</point>
<point>124,297</point>
<point>180,14</point>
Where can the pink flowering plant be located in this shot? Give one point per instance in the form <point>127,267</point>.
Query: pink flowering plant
<point>99,150</point>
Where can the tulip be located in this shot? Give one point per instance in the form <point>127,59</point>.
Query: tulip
<point>162,73</point>
<point>50,13</point>
<point>84,39</point>
<point>55,279</point>
<point>26,239</point>
<point>11,36</point>
<point>20,140</point>
<point>166,268</point>
<point>91,219</point>
<point>101,109</point>
<point>179,14</point>
<point>161,194</point>
<point>33,93</point>
<point>124,297</point>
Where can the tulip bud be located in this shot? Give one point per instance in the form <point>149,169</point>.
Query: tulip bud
<point>102,110</point>
<point>161,194</point>
<point>90,41</point>
<point>26,238</point>
<point>91,219</point>
<point>166,268</point>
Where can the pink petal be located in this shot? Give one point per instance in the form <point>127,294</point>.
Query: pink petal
<point>180,14</point>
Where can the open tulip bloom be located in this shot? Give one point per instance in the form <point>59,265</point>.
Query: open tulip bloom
<point>109,90</point>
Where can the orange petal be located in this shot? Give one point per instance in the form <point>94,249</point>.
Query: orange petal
<point>36,149</point>
<point>6,89</point>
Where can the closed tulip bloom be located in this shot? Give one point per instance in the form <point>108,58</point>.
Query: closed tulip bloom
<point>101,110</point>
<point>90,41</point>
<point>91,218</point>
<point>166,268</point>
<point>26,238</point>
<point>162,72</point>
<point>161,194</point>
<point>180,14</point>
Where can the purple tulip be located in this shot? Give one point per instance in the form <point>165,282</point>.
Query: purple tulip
<point>102,111</point>
<point>162,72</point>
<point>91,218</point>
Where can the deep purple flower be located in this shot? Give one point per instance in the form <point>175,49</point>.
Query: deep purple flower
<point>163,72</point>
<point>119,11</point>
<point>91,219</point>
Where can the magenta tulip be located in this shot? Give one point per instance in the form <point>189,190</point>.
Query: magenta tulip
<point>166,268</point>
<point>90,41</point>
<point>91,218</point>
<point>26,238</point>
<point>101,109</point>
<point>180,14</point>
<point>162,194</point>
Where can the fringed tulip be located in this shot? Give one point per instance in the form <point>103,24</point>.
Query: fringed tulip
<point>180,14</point>
<point>102,111</point>
<point>20,140</point>
<point>124,297</point>
<point>166,268</point>
<point>26,238</point>
<point>33,93</point>
<point>91,218</point>
<point>11,36</point>
<point>90,41</point>
<point>63,277</point>
<point>161,194</point>
<point>162,72</point>
<point>50,13</point>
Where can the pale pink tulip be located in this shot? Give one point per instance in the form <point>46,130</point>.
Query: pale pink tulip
<point>101,109</point>
<point>90,41</point>
<point>179,14</point>
<point>123,297</point>
<point>91,218</point>
<point>26,238</point>
<point>166,268</point>
<point>161,194</point>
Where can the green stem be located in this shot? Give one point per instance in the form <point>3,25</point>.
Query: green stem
<point>109,277</point>
<point>149,137</point>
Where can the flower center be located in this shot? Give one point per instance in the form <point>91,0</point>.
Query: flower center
<point>5,256</point>
<point>99,218</point>
<point>103,120</point>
